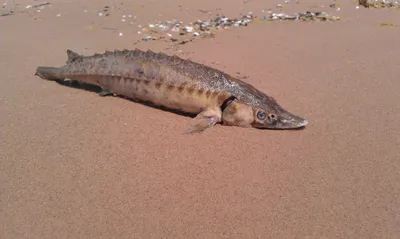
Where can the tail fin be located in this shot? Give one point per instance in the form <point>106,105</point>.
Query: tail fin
<point>53,73</point>
<point>49,73</point>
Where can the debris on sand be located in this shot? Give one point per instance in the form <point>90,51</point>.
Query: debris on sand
<point>177,29</point>
<point>40,4</point>
<point>180,33</point>
<point>306,16</point>
<point>380,3</point>
<point>6,14</point>
<point>104,12</point>
<point>13,8</point>
<point>387,24</point>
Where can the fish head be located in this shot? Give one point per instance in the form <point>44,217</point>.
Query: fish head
<point>276,118</point>
<point>268,115</point>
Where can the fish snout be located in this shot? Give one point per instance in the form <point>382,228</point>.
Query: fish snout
<point>290,121</point>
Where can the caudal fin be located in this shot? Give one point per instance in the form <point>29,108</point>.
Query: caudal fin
<point>48,73</point>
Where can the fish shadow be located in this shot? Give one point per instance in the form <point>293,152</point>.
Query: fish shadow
<point>97,90</point>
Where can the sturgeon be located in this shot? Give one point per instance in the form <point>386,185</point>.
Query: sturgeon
<point>178,84</point>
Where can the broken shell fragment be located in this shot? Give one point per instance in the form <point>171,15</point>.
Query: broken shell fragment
<point>146,38</point>
<point>188,29</point>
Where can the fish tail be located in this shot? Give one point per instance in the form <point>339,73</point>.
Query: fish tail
<point>49,73</point>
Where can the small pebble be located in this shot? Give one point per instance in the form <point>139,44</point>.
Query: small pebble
<point>85,10</point>
<point>151,25</point>
<point>100,14</point>
<point>121,34</point>
<point>123,20</point>
<point>129,15</point>
<point>59,15</point>
<point>29,6</point>
<point>357,7</point>
<point>147,38</point>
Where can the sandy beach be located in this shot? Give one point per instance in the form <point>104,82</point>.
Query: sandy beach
<point>76,165</point>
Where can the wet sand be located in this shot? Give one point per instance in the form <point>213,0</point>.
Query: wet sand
<point>76,165</point>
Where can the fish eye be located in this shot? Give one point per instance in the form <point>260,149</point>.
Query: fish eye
<point>260,115</point>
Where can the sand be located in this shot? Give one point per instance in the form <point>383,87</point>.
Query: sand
<point>76,165</point>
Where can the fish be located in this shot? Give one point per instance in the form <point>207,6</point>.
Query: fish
<point>210,95</point>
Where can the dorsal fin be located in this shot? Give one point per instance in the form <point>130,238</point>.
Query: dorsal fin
<point>176,59</point>
<point>72,56</point>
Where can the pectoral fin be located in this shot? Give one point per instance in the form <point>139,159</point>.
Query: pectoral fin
<point>204,120</point>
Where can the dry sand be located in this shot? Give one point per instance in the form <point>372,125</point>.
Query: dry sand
<point>76,165</point>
